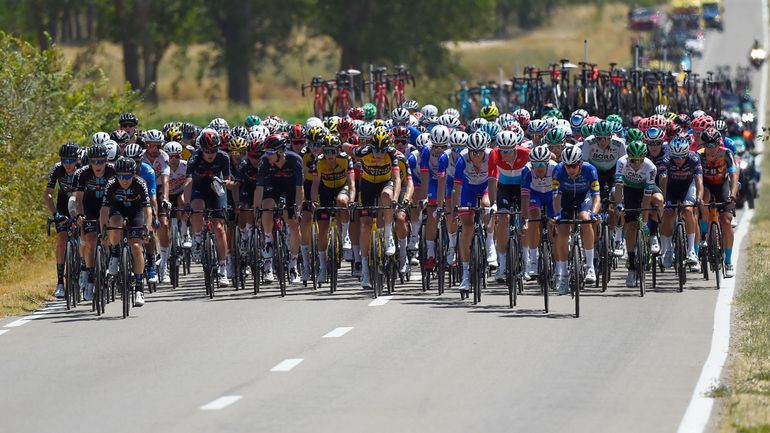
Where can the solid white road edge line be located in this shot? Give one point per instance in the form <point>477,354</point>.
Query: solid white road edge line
<point>3,331</point>
<point>338,332</point>
<point>221,402</point>
<point>287,364</point>
<point>382,300</point>
<point>51,308</point>
<point>699,410</point>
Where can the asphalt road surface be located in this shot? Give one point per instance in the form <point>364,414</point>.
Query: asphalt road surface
<point>418,362</point>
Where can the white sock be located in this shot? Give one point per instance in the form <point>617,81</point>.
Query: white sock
<point>533,255</point>
<point>618,233</point>
<point>415,229</point>
<point>431,248</point>
<point>305,249</point>
<point>293,261</point>
<point>590,258</point>
<point>164,251</point>
<point>388,231</point>
<point>490,242</point>
<point>345,227</point>
<point>183,228</point>
<point>466,269</point>
<point>561,269</point>
<point>666,243</point>
<point>501,261</point>
<point>402,245</point>
<point>525,253</point>
<point>268,238</point>
<point>322,259</point>
<point>199,237</point>
<point>452,240</point>
<point>246,232</point>
<point>364,266</point>
<point>356,253</point>
<point>690,242</point>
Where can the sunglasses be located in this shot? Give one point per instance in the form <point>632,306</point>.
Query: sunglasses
<point>576,165</point>
<point>98,161</point>
<point>174,156</point>
<point>316,145</point>
<point>654,143</point>
<point>635,160</point>
<point>679,157</point>
<point>128,125</point>
<point>125,176</point>
<point>379,150</point>
<point>539,164</point>
<point>68,161</point>
<point>506,150</point>
<point>711,145</point>
<point>476,152</point>
<point>330,151</point>
<point>271,152</point>
<point>210,152</point>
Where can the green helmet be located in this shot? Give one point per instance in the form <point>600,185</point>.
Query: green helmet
<point>370,111</point>
<point>555,136</point>
<point>587,130</point>
<point>252,120</point>
<point>634,134</point>
<point>603,128</point>
<point>553,113</point>
<point>636,149</point>
<point>615,118</point>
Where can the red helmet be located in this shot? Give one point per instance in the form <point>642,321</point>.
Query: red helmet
<point>209,140</point>
<point>297,134</point>
<point>657,120</point>
<point>356,113</point>
<point>673,130</point>
<point>702,123</point>
<point>345,125</point>
<point>255,148</point>
<point>276,142</point>
<point>400,133</point>
<point>644,123</point>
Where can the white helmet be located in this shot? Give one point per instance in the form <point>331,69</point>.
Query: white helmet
<point>112,150</point>
<point>565,126</point>
<point>422,140</point>
<point>400,115</point>
<point>134,151</point>
<point>679,146</point>
<point>173,148</point>
<point>507,139</point>
<point>219,123</point>
<point>458,139</point>
<point>429,110</point>
<point>477,123</point>
<point>452,112</point>
<point>154,136</point>
<point>449,121</point>
<point>100,138</point>
<point>571,154</point>
<point>540,154</point>
<point>313,121</point>
<point>439,135</point>
<point>365,130</point>
<point>477,141</point>
<point>258,132</point>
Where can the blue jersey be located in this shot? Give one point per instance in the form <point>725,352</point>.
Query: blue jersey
<point>585,182</point>
<point>730,144</point>
<point>148,174</point>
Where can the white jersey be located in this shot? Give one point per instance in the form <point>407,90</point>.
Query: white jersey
<point>160,165</point>
<point>603,159</point>
<point>451,163</point>
<point>467,174</point>
<point>644,178</point>
<point>177,178</point>
<point>530,181</point>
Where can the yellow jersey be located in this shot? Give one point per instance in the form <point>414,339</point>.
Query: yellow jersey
<point>334,172</point>
<point>377,167</point>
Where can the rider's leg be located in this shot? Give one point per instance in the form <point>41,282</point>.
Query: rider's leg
<point>588,235</point>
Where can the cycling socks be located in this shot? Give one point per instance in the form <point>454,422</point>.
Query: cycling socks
<point>561,269</point>
<point>431,248</point>
<point>618,233</point>
<point>728,256</point>
<point>356,254</point>
<point>138,282</point>
<point>115,251</point>
<point>305,249</point>
<point>590,258</point>
<point>666,242</point>
<point>415,228</point>
<point>402,246</point>
<point>631,260</point>
<point>322,259</point>
<point>691,246</point>
<point>653,227</point>
<point>60,273</point>
<point>452,240</point>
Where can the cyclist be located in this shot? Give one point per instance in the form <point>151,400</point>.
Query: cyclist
<point>91,181</point>
<point>536,191</point>
<point>434,179</point>
<point>307,145</point>
<point>536,129</point>
<point>401,143</point>
<point>279,174</point>
<point>414,158</point>
<point>126,197</point>
<point>720,179</point>
<point>128,122</point>
<point>681,178</point>
<point>476,176</point>
<point>380,179</point>
<point>145,170</point>
<point>603,150</point>
<point>208,174</point>
<point>576,195</point>
<point>510,159</point>
<point>245,182</point>
<point>634,186</point>
<point>63,173</point>
<point>333,186</point>
<point>158,159</point>
<point>457,142</point>
<point>177,175</point>
<point>489,113</point>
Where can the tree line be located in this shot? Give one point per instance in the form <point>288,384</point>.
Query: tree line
<point>247,34</point>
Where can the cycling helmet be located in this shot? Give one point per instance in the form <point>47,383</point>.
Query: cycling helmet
<point>617,128</point>
<point>491,129</point>
<point>255,149</point>
<point>636,149</point>
<point>720,125</point>
<point>449,121</point>
<point>477,141</point>
<point>128,118</point>
<point>489,112</point>
<point>209,140</point>
<point>400,115</point>
<point>190,131</point>
<point>382,138</point>
<point>634,134</point>
<point>297,133</point>
<point>458,139</point>
<point>252,120</point>
<point>173,148</point>
<point>571,155</point>
<point>439,135</point>
<point>452,112</point>
<point>239,131</point>
<point>710,135</point>
<point>698,113</point>
<point>555,136</point>
<point>507,139</point>
<point>477,123</point>
<point>99,138</point>
<point>276,142</point>
<point>134,151</point>
<point>537,126</point>
<point>153,136</point>
<point>553,113</point>
<point>69,150</point>
<point>615,118</point>
<point>428,121</point>
<point>603,128</point>
<point>169,125</point>
<point>587,130</point>
<point>680,146</point>
<point>682,120</point>
<point>175,134</point>
<point>238,144</point>
<point>345,125</point>
<point>701,123</point>
<point>365,130</point>
<point>429,110</point>
<point>258,132</point>
<point>540,154</point>
<point>522,116</point>
<point>661,109</point>
<point>331,140</point>
<point>219,123</point>
<point>422,140</point>
<point>577,118</point>
<point>97,151</point>
<point>125,166</point>
<point>356,113</point>
<point>120,136</point>
<point>506,120</point>
<point>112,150</point>
<point>672,130</point>
<point>400,132</point>
<point>313,121</point>
<point>411,105</point>
<point>370,111</point>
<point>654,134</point>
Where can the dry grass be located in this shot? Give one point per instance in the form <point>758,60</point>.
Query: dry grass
<point>27,286</point>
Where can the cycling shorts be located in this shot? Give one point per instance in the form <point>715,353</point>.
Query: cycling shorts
<point>328,196</point>
<point>469,193</point>
<point>676,193</point>
<point>606,177</point>
<point>246,196</point>
<point>135,219</point>
<point>717,193</point>
<point>307,186</point>
<point>632,199</point>
<point>370,192</point>
<point>569,202</point>
<point>508,197</point>
<point>288,191</point>
<point>538,200</point>
<point>210,199</point>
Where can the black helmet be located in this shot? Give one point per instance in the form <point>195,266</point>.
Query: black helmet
<point>120,136</point>
<point>125,165</point>
<point>97,151</point>
<point>129,118</point>
<point>209,140</point>
<point>69,150</point>
<point>710,135</point>
<point>276,142</point>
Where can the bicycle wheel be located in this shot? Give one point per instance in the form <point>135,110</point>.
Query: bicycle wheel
<point>423,254</point>
<point>441,252</point>
<point>255,258</point>
<point>125,279</point>
<point>206,260</point>
<point>605,254</point>
<point>574,275</point>
<point>704,260</point>
<point>641,259</point>
<point>510,271</point>
<point>544,270</point>
<point>278,261</point>
<point>96,301</point>
<point>71,273</point>
<point>374,266</point>
<point>333,259</point>
<point>313,256</point>
<point>680,255</point>
<point>236,259</point>
<point>478,269</point>
<point>173,256</point>
<point>717,254</point>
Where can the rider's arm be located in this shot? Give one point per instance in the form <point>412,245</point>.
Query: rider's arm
<point>48,200</point>
<point>732,170</point>
<point>314,188</point>
<point>165,179</point>
<point>699,187</point>
<point>493,172</point>
<point>395,175</point>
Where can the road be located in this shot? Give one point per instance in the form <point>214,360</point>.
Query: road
<point>416,363</point>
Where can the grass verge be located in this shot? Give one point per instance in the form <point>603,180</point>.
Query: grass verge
<point>28,285</point>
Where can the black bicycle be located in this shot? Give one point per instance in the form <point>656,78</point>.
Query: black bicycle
<point>514,267</point>
<point>576,260</point>
<point>124,279</point>
<point>478,257</point>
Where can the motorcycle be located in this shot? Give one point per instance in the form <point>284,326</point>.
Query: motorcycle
<point>749,175</point>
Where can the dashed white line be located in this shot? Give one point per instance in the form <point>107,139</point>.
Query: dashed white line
<point>3,331</point>
<point>16,323</point>
<point>51,308</point>
<point>338,332</point>
<point>382,300</point>
<point>221,402</point>
<point>287,364</point>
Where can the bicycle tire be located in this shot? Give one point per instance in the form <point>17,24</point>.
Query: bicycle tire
<point>333,259</point>
<point>715,246</point>
<point>206,260</point>
<point>574,276</point>
<point>441,252</point>
<point>509,265</point>
<point>255,251</point>
<point>278,261</point>
<point>605,257</point>
<point>374,267</point>
<point>125,279</point>
<point>423,254</point>
<point>96,300</point>
<point>478,268</point>
<point>236,258</point>
<point>681,256</point>
<point>70,273</point>
<point>544,271</point>
<point>641,259</point>
<point>173,256</point>
<point>313,256</point>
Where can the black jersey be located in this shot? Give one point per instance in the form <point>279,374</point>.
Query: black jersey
<point>59,176</point>
<point>290,173</point>
<point>93,187</point>
<point>133,197</point>
<point>201,170</point>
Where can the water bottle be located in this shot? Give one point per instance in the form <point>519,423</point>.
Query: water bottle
<point>218,188</point>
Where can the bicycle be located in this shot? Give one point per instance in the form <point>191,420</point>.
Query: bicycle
<point>576,260</point>
<point>513,267</point>
<point>381,83</point>
<point>478,258</point>
<point>441,247</point>
<point>606,258</point>
<point>344,84</point>
<point>321,92</point>
<point>333,247</point>
<point>71,263</point>
<point>641,249</point>
<point>381,267</point>
<point>209,258</point>
<point>399,80</point>
<point>679,244</point>
<point>126,267</point>
<point>280,249</point>
<point>714,256</point>
<point>545,261</point>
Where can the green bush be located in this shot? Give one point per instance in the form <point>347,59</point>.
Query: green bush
<point>45,103</point>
